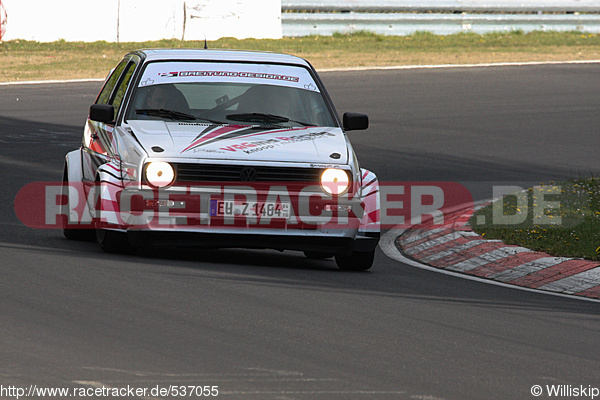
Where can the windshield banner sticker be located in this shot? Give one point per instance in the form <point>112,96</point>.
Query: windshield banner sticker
<point>229,74</point>
<point>188,72</point>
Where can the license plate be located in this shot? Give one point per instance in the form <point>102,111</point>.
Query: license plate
<point>229,208</point>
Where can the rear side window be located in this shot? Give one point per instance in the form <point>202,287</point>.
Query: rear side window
<point>114,91</point>
<point>108,88</point>
<point>122,88</point>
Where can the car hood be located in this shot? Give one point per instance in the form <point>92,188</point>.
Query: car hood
<point>236,142</point>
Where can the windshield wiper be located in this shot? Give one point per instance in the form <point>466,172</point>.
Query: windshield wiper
<point>302,123</point>
<point>160,112</point>
<point>257,117</point>
<point>265,118</point>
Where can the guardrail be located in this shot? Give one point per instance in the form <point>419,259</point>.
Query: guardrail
<point>393,17</point>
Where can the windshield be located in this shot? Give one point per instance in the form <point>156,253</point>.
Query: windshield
<point>226,93</point>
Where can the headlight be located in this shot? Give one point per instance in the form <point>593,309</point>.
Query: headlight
<point>159,174</point>
<point>335,181</point>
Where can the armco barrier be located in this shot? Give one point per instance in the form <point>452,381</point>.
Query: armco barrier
<point>442,5</point>
<point>303,24</point>
<point>130,20</point>
<point>390,17</point>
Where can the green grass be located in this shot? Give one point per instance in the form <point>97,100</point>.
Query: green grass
<point>28,60</point>
<point>559,219</point>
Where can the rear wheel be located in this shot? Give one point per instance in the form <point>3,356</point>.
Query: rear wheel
<point>357,261</point>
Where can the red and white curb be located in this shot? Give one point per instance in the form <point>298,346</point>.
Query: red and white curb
<point>456,249</point>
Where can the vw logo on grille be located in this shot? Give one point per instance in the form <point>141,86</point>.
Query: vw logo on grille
<point>248,174</point>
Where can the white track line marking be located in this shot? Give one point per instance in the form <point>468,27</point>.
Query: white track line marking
<point>50,82</point>
<point>501,64</point>
<point>351,69</point>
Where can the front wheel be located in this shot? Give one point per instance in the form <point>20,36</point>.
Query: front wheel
<point>317,255</point>
<point>110,240</point>
<point>357,261</point>
<point>113,241</point>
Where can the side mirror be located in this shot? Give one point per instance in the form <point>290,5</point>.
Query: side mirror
<point>355,121</point>
<point>102,113</point>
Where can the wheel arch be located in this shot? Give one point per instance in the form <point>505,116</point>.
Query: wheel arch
<point>73,167</point>
<point>370,222</point>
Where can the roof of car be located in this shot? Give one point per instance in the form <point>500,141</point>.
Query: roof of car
<point>220,55</point>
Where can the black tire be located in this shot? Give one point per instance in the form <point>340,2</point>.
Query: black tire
<point>71,231</point>
<point>110,241</point>
<point>357,261</point>
<point>113,241</point>
<point>317,255</point>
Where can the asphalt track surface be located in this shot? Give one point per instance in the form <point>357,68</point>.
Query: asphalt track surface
<point>269,325</point>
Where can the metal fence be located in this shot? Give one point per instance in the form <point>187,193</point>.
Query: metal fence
<point>393,17</point>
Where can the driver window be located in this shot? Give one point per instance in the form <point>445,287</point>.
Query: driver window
<point>122,88</point>
<point>104,96</point>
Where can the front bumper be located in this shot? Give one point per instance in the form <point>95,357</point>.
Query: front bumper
<point>273,240</point>
<point>183,218</point>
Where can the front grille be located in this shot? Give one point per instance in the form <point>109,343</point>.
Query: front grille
<point>191,172</point>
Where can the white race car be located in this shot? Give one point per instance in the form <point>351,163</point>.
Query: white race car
<point>221,149</point>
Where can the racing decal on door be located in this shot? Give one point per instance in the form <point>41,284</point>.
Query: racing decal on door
<point>99,138</point>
